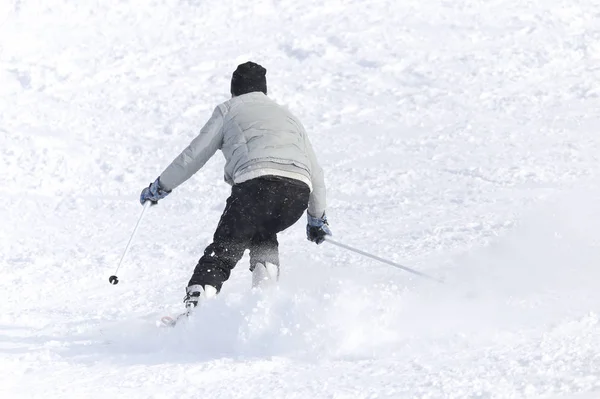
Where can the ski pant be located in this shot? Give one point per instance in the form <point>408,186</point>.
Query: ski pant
<point>255,212</point>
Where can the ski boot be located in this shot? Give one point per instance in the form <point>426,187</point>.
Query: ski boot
<point>196,293</point>
<point>265,275</point>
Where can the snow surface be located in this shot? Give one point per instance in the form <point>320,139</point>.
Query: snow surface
<point>459,138</point>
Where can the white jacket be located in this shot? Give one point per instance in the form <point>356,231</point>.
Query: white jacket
<point>258,137</point>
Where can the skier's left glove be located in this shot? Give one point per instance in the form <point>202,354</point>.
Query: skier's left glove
<point>153,192</point>
<point>317,228</point>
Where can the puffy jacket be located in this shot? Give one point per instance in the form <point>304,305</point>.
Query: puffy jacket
<point>258,137</point>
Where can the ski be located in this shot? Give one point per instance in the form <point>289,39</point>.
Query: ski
<point>168,321</point>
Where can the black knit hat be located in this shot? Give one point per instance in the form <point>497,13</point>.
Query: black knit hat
<point>248,77</point>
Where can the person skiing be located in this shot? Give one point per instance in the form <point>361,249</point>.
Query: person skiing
<point>274,175</point>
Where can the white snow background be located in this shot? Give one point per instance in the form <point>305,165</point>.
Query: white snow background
<point>459,138</point>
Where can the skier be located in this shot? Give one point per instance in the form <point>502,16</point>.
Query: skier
<point>274,175</point>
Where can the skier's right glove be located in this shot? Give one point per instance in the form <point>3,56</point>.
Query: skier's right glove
<point>153,192</point>
<point>317,228</point>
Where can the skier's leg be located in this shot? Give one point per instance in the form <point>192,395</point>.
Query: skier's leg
<point>287,200</point>
<point>264,259</point>
<point>264,248</point>
<point>232,236</point>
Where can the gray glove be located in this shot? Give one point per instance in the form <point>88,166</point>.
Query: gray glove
<point>317,228</point>
<point>153,192</point>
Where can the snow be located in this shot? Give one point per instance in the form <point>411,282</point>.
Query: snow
<point>458,138</point>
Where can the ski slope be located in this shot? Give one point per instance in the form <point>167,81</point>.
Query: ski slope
<point>459,138</point>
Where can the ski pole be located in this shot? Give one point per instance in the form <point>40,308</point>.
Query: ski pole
<point>114,280</point>
<point>389,262</point>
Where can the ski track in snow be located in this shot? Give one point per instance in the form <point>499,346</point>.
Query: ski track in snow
<point>458,138</point>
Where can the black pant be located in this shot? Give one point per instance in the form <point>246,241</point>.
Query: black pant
<point>255,212</point>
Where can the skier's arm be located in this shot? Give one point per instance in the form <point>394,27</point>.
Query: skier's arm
<point>200,150</point>
<point>317,199</point>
